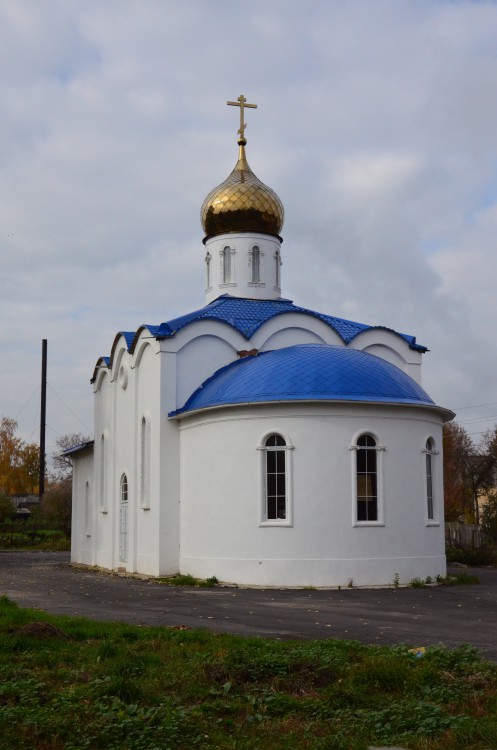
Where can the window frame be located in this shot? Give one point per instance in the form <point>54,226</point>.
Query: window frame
<point>104,472</point>
<point>208,271</point>
<point>145,474</point>
<point>256,255</point>
<point>263,450</point>
<point>226,254</point>
<point>123,503</point>
<point>380,506</point>
<point>88,510</point>
<point>278,264</point>
<point>429,453</point>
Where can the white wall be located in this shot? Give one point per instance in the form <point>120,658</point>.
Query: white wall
<point>241,284</point>
<point>209,488</point>
<point>220,498</point>
<point>84,512</point>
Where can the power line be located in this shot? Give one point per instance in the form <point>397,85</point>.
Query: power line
<point>475,406</point>
<point>477,419</point>
<point>35,420</point>
<point>54,430</point>
<point>68,408</point>
<point>26,402</point>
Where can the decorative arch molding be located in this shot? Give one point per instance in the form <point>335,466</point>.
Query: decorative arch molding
<point>100,377</point>
<point>199,358</point>
<point>215,328</point>
<point>386,337</point>
<point>367,431</point>
<point>296,323</point>
<point>290,336</point>
<point>388,353</point>
<point>139,353</point>
<point>268,433</point>
<point>224,337</point>
<point>116,363</point>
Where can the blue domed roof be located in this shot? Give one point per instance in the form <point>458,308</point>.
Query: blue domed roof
<point>307,372</point>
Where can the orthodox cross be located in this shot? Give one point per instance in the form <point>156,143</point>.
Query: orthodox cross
<point>242,103</point>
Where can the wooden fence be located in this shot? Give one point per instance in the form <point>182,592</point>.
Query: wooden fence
<point>464,535</point>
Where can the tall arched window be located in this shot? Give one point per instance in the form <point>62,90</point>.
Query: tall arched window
<point>227,265</point>
<point>277,260</point>
<point>367,478</point>
<point>88,513</point>
<point>430,508</point>
<point>208,259</point>
<point>256,265</point>
<point>145,463</point>
<point>123,520</point>
<point>103,474</point>
<point>276,490</point>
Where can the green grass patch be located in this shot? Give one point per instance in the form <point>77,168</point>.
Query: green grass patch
<point>73,684</point>
<point>486,555</point>
<point>461,579</point>
<point>39,539</point>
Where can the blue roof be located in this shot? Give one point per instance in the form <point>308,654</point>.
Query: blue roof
<point>129,336</point>
<point>248,315</point>
<point>307,372</point>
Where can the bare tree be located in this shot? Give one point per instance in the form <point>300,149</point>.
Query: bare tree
<point>62,463</point>
<point>57,504</point>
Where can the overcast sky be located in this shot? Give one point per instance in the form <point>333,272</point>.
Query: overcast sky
<point>376,125</point>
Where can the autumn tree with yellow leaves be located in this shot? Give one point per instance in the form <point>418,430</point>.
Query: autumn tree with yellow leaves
<point>19,461</point>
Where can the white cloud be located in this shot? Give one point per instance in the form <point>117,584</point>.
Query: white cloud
<point>377,126</point>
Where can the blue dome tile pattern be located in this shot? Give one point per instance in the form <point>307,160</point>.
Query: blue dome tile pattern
<point>307,372</point>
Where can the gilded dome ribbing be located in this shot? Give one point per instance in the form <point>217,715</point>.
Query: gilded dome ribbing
<point>242,203</point>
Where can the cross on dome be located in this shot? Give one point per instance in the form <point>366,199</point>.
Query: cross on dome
<point>242,103</point>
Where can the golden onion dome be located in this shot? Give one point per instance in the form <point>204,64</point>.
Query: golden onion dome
<point>242,203</point>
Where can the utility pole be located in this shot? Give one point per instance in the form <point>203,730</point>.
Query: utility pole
<point>43,412</point>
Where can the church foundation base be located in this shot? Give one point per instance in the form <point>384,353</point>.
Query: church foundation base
<point>317,573</point>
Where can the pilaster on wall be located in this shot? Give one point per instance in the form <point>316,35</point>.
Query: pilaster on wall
<point>169,470</point>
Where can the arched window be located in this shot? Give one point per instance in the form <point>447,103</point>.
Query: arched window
<point>277,260</point>
<point>103,473</point>
<point>430,508</point>
<point>208,282</point>
<point>123,520</point>
<point>145,463</point>
<point>87,509</point>
<point>367,478</point>
<point>256,265</point>
<point>226,265</point>
<point>276,490</point>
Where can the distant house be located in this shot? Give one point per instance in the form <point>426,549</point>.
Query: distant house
<point>25,501</point>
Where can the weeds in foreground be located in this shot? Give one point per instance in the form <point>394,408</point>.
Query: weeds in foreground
<point>486,555</point>
<point>80,685</point>
<point>454,579</point>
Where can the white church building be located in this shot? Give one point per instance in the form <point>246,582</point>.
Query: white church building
<point>258,441</point>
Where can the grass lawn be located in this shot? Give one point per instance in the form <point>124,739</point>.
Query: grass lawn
<point>28,539</point>
<point>68,684</point>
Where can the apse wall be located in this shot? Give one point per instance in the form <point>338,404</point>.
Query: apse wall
<point>320,543</point>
